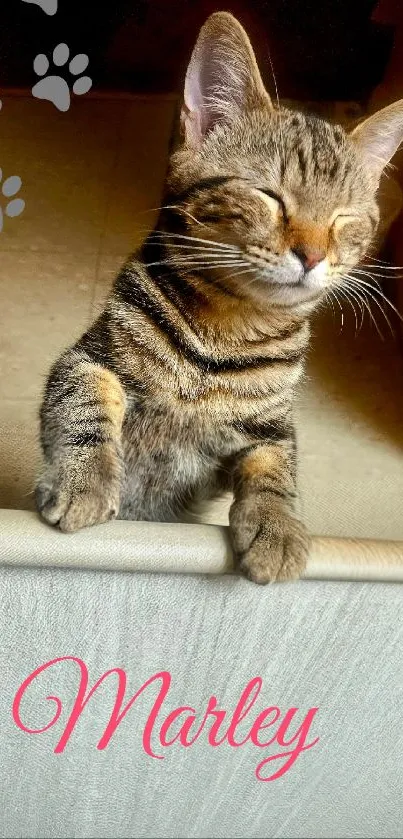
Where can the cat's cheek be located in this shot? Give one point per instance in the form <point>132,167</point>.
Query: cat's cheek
<point>350,244</point>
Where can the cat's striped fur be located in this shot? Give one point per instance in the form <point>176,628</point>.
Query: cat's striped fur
<point>184,386</point>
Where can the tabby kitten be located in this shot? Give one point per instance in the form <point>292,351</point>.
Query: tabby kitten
<point>183,388</point>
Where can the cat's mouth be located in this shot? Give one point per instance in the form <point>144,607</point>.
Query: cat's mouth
<point>303,288</point>
<point>291,273</point>
<point>287,282</point>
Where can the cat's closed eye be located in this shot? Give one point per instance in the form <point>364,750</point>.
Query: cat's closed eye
<point>276,202</point>
<point>350,227</point>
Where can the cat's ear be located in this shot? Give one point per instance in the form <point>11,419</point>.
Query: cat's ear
<point>222,79</point>
<point>379,137</point>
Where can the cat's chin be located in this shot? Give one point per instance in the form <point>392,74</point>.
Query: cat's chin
<point>289,294</point>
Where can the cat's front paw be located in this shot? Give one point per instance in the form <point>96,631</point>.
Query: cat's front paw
<point>270,544</point>
<point>74,496</point>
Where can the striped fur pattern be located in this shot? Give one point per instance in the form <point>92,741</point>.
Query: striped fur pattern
<point>183,388</point>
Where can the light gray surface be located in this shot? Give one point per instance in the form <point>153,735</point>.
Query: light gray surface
<point>25,540</point>
<point>337,646</point>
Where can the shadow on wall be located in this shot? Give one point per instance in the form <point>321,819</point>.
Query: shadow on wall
<point>319,50</point>
<point>358,368</point>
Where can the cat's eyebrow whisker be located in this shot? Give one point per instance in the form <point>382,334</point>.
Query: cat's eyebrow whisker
<point>182,210</point>
<point>149,210</point>
<point>173,207</point>
<point>279,108</point>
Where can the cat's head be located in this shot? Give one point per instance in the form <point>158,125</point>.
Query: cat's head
<point>283,204</point>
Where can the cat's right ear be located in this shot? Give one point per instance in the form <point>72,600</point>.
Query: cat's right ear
<point>222,79</point>
<point>379,137</point>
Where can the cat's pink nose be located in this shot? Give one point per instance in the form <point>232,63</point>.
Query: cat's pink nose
<point>310,257</point>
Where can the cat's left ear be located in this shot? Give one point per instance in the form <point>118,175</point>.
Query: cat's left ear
<point>379,137</point>
<point>222,79</point>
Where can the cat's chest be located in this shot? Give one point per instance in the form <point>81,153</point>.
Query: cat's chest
<point>162,433</point>
<point>171,456</point>
<point>211,396</point>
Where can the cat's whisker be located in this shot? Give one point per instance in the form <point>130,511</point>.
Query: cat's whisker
<point>193,259</point>
<point>376,289</point>
<point>368,309</point>
<point>362,308</point>
<point>349,299</point>
<point>347,282</point>
<point>175,246</point>
<point>376,275</point>
<point>382,270</point>
<point>329,296</point>
<point>245,271</point>
<point>194,264</point>
<point>162,233</point>
<point>361,305</point>
<point>334,294</point>
<point>375,259</point>
<point>359,273</point>
<point>372,317</point>
<point>382,267</point>
<point>382,264</point>
<point>358,299</point>
<point>197,266</point>
<point>377,303</point>
<point>359,295</point>
<point>377,272</point>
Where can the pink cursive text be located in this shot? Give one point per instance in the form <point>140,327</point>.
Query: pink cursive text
<point>267,729</point>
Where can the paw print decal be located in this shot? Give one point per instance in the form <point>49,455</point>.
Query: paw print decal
<point>48,6</point>
<point>54,88</point>
<point>10,188</point>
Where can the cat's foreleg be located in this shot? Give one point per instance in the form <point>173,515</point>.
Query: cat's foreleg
<point>81,422</point>
<point>269,541</point>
